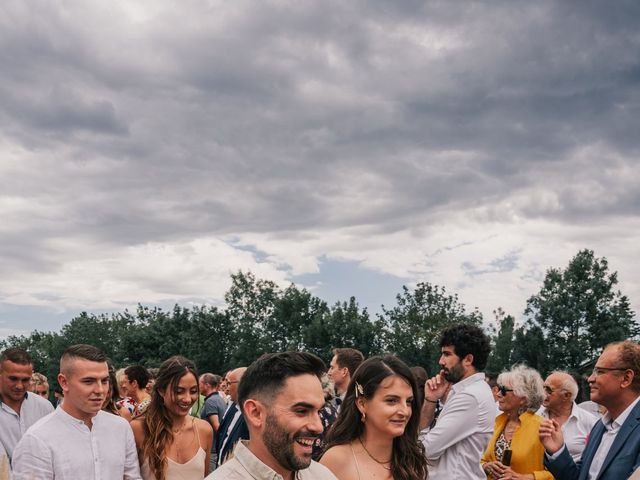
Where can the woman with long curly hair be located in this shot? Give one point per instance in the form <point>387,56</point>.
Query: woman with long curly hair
<point>376,433</point>
<point>171,444</point>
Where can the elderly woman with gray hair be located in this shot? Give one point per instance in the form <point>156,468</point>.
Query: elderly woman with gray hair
<point>515,451</point>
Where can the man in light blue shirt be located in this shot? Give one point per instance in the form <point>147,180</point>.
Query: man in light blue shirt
<point>19,408</point>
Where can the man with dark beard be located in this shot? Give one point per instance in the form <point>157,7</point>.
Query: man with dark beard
<point>456,442</point>
<point>280,395</point>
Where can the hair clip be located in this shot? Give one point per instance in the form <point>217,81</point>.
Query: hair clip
<point>359,390</point>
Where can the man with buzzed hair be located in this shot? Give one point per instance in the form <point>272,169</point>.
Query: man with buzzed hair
<point>280,396</point>
<point>560,392</point>
<point>79,440</point>
<point>233,427</point>
<point>343,365</point>
<point>19,408</point>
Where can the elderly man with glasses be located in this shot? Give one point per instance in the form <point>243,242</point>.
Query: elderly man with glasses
<point>613,447</point>
<point>560,392</point>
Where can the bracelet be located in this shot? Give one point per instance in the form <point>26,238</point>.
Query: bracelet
<point>431,401</point>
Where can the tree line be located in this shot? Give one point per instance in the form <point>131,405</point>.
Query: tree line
<point>577,311</point>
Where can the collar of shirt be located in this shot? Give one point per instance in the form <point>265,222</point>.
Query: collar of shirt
<point>462,384</point>
<point>544,412</point>
<point>253,465</point>
<point>9,409</point>
<point>212,394</point>
<point>71,420</point>
<point>613,424</point>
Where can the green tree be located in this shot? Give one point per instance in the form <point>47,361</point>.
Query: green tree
<point>579,311</point>
<point>414,325</point>
<point>500,358</point>
<point>531,348</point>
<point>250,307</point>
<point>349,326</point>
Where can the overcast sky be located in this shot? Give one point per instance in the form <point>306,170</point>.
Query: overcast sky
<point>148,149</point>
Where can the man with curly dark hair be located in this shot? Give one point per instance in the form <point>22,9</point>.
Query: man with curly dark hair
<point>454,445</point>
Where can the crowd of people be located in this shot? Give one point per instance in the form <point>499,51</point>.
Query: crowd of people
<point>286,416</point>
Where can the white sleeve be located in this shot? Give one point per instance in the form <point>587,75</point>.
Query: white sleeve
<point>131,465</point>
<point>32,459</point>
<point>458,422</point>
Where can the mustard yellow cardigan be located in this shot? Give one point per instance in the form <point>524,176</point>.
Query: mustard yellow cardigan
<point>528,452</point>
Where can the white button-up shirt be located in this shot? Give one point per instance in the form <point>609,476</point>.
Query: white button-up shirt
<point>62,447</point>
<point>460,436</point>
<point>13,425</point>
<point>575,430</point>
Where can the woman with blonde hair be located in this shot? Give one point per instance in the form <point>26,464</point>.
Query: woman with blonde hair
<point>515,451</point>
<point>172,445</point>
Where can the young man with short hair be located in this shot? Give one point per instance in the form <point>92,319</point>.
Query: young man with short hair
<point>19,408</point>
<point>136,378</point>
<point>280,396</point>
<point>343,365</point>
<point>457,441</point>
<point>79,440</point>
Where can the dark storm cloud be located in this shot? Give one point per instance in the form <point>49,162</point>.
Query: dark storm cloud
<point>222,118</point>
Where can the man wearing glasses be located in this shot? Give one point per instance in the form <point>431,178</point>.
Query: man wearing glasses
<point>560,392</point>
<point>613,448</point>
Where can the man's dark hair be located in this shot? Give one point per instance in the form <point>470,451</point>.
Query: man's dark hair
<point>421,378</point>
<point>468,339</point>
<point>15,355</point>
<point>211,379</point>
<point>268,374</point>
<point>81,350</point>
<point>349,358</point>
<point>139,374</point>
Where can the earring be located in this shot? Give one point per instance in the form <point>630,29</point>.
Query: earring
<point>364,417</point>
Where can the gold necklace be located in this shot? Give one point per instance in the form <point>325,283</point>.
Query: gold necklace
<point>178,430</point>
<point>374,458</point>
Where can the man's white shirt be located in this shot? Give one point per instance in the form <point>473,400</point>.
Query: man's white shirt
<point>14,426</point>
<point>575,430</point>
<point>454,446</point>
<point>62,447</point>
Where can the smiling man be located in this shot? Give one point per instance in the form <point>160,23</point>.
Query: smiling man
<point>79,440</point>
<point>19,408</point>
<point>280,395</point>
<point>613,447</point>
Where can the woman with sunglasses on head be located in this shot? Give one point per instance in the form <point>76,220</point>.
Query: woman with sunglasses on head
<point>376,433</point>
<point>515,451</point>
<point>172,445</point>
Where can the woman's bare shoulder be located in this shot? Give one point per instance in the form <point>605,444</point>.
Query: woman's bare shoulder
<point>339,460</point>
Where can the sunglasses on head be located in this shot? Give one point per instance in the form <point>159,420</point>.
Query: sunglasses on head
<point>503,390</point>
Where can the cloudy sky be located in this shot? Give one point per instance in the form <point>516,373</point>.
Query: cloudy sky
<point>148,149</point>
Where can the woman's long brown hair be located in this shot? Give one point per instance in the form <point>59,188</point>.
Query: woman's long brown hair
<point>408,461</point>
<point>156,419</point>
